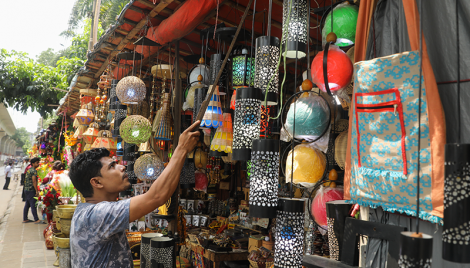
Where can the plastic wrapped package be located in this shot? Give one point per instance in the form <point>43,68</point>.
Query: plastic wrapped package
<point>201,181</point>
<point>311,117</point>
<point>339,68</point>
<point>189,103</point>
<point>323,195</point>
<point>344,24</point>
<point>309,165</point>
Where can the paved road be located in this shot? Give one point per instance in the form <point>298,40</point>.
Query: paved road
<point>6,195</point>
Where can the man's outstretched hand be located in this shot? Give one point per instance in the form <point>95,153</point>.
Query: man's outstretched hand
<point>189,138</point>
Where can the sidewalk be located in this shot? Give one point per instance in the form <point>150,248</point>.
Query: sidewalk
<point>21,244</point>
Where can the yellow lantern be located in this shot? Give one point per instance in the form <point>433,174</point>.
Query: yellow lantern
<point>222,141</point>
<point>92,132</point>
<point>85,116</point>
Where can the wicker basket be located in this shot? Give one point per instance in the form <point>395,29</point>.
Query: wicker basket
<point>260,264</point>
<point>341,143</point>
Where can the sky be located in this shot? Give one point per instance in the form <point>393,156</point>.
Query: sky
<point>33,26</point>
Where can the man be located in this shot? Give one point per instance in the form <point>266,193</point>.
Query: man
<point>97,234</point>
<point>31,191</point>
<point>7,176</point>
<point>23,175</point>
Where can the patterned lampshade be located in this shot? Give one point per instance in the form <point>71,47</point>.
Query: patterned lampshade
<point>135,129</point>
<point>215,66</point>
<point>105,140</point>
<point>164,127</point>
<point>145,248</point>
<point>295,28</point>
<point>148,167</point>
<point>265,127</point>
<point>85,115</point>
<point>246,127</point>
<point>162,252</point>
<point>188,177</point>
<point>415,251</point>
<point>199,96</point>
<point>243,70</point>
<point>289,241</point>
<point>113,98</point>
<point>213,115</point>
<point>267,57</point>
<point>131,90</point>
<point>222,141</point>
<point>120,113</point>
<point>264,178</point>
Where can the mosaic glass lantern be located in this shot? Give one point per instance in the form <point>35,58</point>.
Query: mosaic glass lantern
<point>145,248</point>
<point>247,122</point>
<point>289,240</point>
<point>294,41</point>
<point>135,129</point>
<point>128,151</point>
<point>264,178</point>
<point>148,167</point>
<point>162,252</point>
<point>131,90</point>
<point>113,98</point>
<point>265,127</point>
<point>85,115</point>
<point>104,140</point>
<point>213,115</point>
<point>91,133</point>
<point>199,96</point>
<point>415,251</point>
<point>222,141</point>
<point>456,232</point>
<point>119,147</point>
<point>243,68</point>
<point>163,131</point>
<point>120,113</point>
<point>215,66</point>
<point>266,73</point>
<point>188,177</point>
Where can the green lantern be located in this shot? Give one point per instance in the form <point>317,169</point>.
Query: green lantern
<point>243,68</point>
<point>135,129</point>
<point>344,24</point>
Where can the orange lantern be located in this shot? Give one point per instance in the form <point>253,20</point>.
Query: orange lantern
<point>105,140</point>
<point>85,116</point>
<point>92,132</point>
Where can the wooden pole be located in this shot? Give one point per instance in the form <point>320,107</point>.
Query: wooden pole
<point>94,24</point>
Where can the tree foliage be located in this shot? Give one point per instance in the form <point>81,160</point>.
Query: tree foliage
<point>83,10</point>
<point>21,137</point>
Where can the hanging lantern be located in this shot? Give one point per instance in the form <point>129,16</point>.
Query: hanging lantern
<point>213,115</point>
<point>243,68</point>
<point>119,147</point>
<point>145,248</point>
<point>104,140</point>
<point>232,100</point>
<point>162,252</point>
<point>128,151</point>
<point>163,130</point>
<point>148,167</point>
<point>289,241</point>
<point>339,69</point>
<point>215,66</point>
<point>456,232</point>
<point>267,57</point>
<point>85,116</point>
<point>187,177</point>
<point>120,113</point>
<point>145,147</point>
<point>415,251</point>
<point>265,128</point>
<point>295,28</point>
<point>344,24</point>
<point>131,90</point>
<point>264,178</point>
<point>113,98</point>
<point>199,97</point>
<point>79,132</point>
<point>247,122</point>
<point>91,133</point>
<point>309,165</point>
<point>135,129</point>
<point>200,158</point>
<point>222,141</point>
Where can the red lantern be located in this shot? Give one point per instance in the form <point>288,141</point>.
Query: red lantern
<point>325,194</point>
<point>339,68</point>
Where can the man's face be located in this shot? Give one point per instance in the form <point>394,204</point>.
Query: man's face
<point>35,165</point>
<point>114,178</point>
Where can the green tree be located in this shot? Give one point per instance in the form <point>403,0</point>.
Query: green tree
<point>21,137</point>
<point>83,10</point>
<point>47,57</point>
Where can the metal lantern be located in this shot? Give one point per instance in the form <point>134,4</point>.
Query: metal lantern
<point>85,115</point>
<point>266,73</point>
<point>247,122</point>
<point>188,177</point>
<point>145,248</point>
<point>120,113</point>
<point>243,69</point>
<point>131,90</point>
<point>128,151</point>
<point>135,129</point>
<point>456,232</point>
<point>215,66</point>
<point>265,127</point>
<point>145,147</point>
<point>213,115</point>
<point>222,141</point>
<point>113,98</point>
<point>295,28</point>
<point>148,167</point>
<point>415,251</point>
<point>162,252</point>
<point>289,241</point>
<point>264,178</point>
<point>130,172</point>
<point>199,96</point>
<point>163,131</point>
<point>105,140</point>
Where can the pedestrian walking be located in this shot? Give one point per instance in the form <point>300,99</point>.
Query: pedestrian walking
<point>7,176</point>
<point>31,191</point>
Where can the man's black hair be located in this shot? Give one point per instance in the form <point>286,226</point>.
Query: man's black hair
<point>86,166</point>
<point>11,163</point>
<point>34,160</point>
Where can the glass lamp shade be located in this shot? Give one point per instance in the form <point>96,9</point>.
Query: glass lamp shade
<point>415,251</point>
<point>79,132</point>
<point>213,115</point>
<point>243,70</point>
<point>85,116</point>
<point>162,252</point>
<point>135,129</point>
<point>295,39</point>
<point>247,122</point>
<point>163,131</point>
<point>131,90</point>
<point>128,151</point>
<point>289,240</point>
<point>215,66</point>
<point>456,231</point>
<point>264,178</point>
<point>148,167</point>
<point>119,147</point>
<point>222,141</point>
<point>145,248</point>
<point>113,98</point>
<point>267,56</point>
<point>104,140</point>
<point>120,113</point>
<point>91,133</point>
<point>187,177</point>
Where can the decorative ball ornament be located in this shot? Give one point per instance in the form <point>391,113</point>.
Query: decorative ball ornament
<point>331,38</point>
<point>339,69</point>
<point>148,167</point>
<point>309,165</point>
<point>307,85</point>
<point>324,195</point>
<point>344,25</point>
<point>201,61</point>
<point>131,90</point>
<point>135,129</point>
